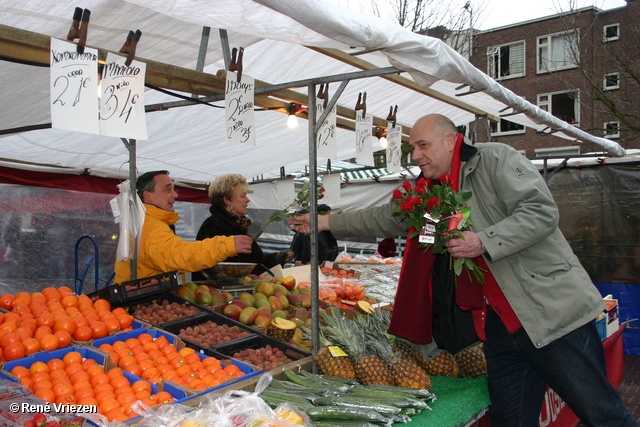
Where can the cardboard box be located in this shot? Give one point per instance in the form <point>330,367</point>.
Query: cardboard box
<point>612,315</point>
<point>301,273</point>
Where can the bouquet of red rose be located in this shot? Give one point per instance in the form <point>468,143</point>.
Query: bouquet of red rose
<point>436,215</point>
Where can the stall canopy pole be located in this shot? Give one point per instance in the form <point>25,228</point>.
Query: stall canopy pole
<point>131,147</point>
<point>313,222</point>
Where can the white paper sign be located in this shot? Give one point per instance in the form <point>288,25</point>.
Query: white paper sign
<point>326,139</point>
<point>394,149</point>
<point>286,192</point>
<point>74,88</point>
<point>331,184</point>
<point>238,109</point>
<point>122,103</point>
<point>364,152</point>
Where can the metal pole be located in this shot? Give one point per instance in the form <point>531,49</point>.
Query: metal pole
<point>313,217</point>
<point>202,52</point>
<point>131,147</point>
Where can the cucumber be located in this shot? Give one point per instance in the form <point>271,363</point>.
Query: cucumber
<point>397,418</point>
<point>422,393</point>
<point>274,403</point>
<point>293,398</point>
<point>341,423</point>
<point>308,382</point>
<point>293,387</point>
<point>331,379</point>
<point>356,402</point>
<point>392,399</point>
<point>346,413</point>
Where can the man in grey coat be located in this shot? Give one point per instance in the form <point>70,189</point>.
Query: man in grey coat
<point>540,303</point>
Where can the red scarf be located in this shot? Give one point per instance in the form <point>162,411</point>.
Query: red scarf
<point>412,312</point>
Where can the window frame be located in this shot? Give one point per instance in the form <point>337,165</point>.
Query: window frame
<point>500,132</point>
<point>604,81</point>
<point>493,55</point>
<point>549,103</point>
<point>612,135</point>
<point>549,37</point>
<point>606,39</point>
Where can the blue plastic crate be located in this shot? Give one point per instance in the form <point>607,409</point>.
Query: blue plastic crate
<point>45,356</point>
<point>134,333</point>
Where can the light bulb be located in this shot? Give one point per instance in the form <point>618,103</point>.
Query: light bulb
<point>292,122</point>
<point>383,142</point>
<point>100,88</point>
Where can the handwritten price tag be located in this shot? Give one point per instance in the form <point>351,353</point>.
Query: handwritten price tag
<point>326,139</point>
<point>122,102</point>
<point>394,150</point>
<point>239,114</point>
<point>74,88</point>
<point>364,152</point>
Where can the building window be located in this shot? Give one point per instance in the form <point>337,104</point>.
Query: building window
<point>612,129</point>
<point>611,81</point>
<point>558,51</point>
<point>505,127</point>
<point>611,32</point>
<point>506,61</point>
<point>563,105</point>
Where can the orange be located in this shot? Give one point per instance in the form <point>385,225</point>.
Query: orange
<point>79,376</point>
<point>196,366</point>
<point>49,342</point>
<point>46,394</point>
<point>88,401</point>
<point>167,375</point>
<point>160,360</point>
<point>9,338</point>
<point>40,376</point>
<point>162,340</point>
<point>142,356</point>
<point>42,384</point>
<point>198,386</point>
<point>132,342</point>
<point>26,382</point>
<point>62,389</point>
<point>126,397</point>
<point>140,385</point>
<point>118,382</point>
<point>64,338</point>
<point>123,389</point>
<point>191,357</point>
<point>164,367</point>
<point>126,361</point>
<point>88,362</point>
<point>184,351</point>
<point>184,369</point>
<point>72,368</point>
<point>118,311</point>
<point>69,301</point>
<point>6,300</point>
<point>82,384</point>
<point>150,373</point>
<point>114,413</point>
<point>220,374</point>
<point>61,379</point>
<point>136,349</point>
<point>115,357</point>
<point>146,364</point>
<point>94,369</point>
<point>107,348</point>
<point>65,324</point>
<point>102,387</point>
<point>99,329</point>
<point>112,325</point>
<point>99,379</point>
<point>58,373</point>
<point>149,345</point>
<point>122,352</point>
<point>231,369</point>
<point>30,324</point>
<point>66,399</point>
<point>72,357</point>
<point>177,362</point>
<point>114,372</point>
<point>12,317</point>
<point>133,369</point>
<point>188,377</point>
<point>104,395</point>
<point>42,331</point>
<point>84,392</point>
<point>14,351</point>
<point>83,333</point>
<point>214,383</point>
<point>56,364</point>
<point>108,404</point>
<point>20,372</point>
<point>168,349</point>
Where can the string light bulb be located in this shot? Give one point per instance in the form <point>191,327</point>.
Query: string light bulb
<point>381,135</point>
<point>292,121</point>
<point>383,142</point>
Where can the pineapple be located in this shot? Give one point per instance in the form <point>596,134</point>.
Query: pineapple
<point>281,329</point>
<point>406,372</point>
<point>368,367</point>
<point>443,364</point>
<point>472,361</point>
<point>328,363</point>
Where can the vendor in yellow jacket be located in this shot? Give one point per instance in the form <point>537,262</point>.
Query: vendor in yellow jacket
<point>161,250</point>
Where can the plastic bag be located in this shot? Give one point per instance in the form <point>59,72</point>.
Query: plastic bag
<point>343,256</point>
<point>129,211</point>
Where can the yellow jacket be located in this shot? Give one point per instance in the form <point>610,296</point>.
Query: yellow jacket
<point>162,251</point>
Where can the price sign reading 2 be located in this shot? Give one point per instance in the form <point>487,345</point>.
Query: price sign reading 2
<point>70,89</point>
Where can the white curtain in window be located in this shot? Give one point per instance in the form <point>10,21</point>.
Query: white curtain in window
<point>516,59</point>
<point>562,50</point>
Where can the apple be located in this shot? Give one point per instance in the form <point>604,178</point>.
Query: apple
<point>283,299</point>
<point>192,286</point>
<point>275,302</point>
<point>204,297</point>
<point>279,313</point>
<point>186,293</point>
<point>239,303</point>
<point>294,300</point>
<point>264,309</point>
<point>306,301</point>
<point>232,311</point>
<point>289,282</point>
<point>248,298</point>
<point>248,315</point>
<point>263,320</point>
<point>263,302</point>
<point>265,288</point>
<point>227,296</point>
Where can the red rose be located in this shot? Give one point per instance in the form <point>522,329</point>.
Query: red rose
<point>397,194</point>
<point>423,182</point>
<point>321,189</point>
<point>420,190</point>
<point>445,179</point>
<point>417,201</point>
<point>407,186</point>
<point>433,202</point>
<point>406,206</point>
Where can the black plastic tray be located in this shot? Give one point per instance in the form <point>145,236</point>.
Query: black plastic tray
<point>140,288</point>
<point>258,341</point>
<point>169,296</point>
<point>175,326</point>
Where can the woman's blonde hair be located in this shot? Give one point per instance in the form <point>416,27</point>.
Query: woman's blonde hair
<point>225,185</point>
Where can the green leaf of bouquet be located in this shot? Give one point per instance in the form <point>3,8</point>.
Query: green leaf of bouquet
<point>457,265</point>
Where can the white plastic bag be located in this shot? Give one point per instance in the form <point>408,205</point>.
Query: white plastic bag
<point>128,211</point>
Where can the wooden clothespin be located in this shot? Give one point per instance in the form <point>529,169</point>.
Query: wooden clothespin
<point>362,105</point>
<point>236,63</point>
<point>79,28</point>
<point>323,93</point>
<point>392,115</point>
<point>74,31</point>
<point>129,46</point>
<point>329,165</point>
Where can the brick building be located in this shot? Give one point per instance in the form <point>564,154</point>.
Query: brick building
<point>572,64</point>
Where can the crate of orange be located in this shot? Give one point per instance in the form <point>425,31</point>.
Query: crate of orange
<point>52,319</point>
<point>81,376</point>
<point>157,356</point>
